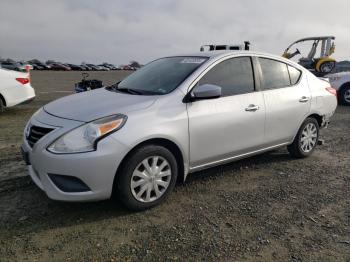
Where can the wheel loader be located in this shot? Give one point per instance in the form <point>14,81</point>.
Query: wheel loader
<point>320,64</point>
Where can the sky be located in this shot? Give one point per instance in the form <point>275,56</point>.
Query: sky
<point>118,31</point>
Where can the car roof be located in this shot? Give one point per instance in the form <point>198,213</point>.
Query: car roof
<point>214,55</point>
<point>223,53</point>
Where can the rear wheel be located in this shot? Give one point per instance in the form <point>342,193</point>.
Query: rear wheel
<point>146,177</point>
<point>306,140</point>
<point>345,95</point>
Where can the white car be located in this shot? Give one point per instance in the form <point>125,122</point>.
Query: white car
<point>15,88</point>
<point>341,82</point>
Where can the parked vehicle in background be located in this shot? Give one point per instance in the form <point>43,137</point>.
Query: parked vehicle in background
<point>25,66</point>
<point>85,67</point>
<point>54,65</point>
<point>37,65</point>
<point>15,88</point>
<point>320,64</point>
<point>75,67</point>
<point>341,82</point>
<point>103,68</point>
<point>109,66</point>
<point>13,66</point>
<point>126,67</point>
<point>59,67</point>
<point>174,116</point>
<point>94,67</point>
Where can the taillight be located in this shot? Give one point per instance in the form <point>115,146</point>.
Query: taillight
<point>331,90</point>
<point>23,80</point>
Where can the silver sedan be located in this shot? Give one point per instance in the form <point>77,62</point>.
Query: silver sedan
<point>174,116</point>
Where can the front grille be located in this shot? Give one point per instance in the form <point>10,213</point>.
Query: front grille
<point>36,133</point>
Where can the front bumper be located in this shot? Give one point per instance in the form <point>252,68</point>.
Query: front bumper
<point>96,169</point>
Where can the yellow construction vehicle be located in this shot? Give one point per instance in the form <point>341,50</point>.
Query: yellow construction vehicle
<point>320,65</point>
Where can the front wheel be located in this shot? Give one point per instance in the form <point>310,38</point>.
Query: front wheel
<point>146,177</point>
<point>306,139</point>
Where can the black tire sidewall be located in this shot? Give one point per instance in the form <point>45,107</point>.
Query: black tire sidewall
<point>306,122</point>
<point>122,187</point>
<point>2,106</point>
<point>342,95</point>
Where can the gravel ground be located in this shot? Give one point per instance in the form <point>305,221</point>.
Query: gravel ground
<point>269,207</point>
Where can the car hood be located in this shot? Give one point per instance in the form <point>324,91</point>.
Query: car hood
<point>91,105</point>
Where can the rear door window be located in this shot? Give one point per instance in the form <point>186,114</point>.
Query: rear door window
<point>234,76</point>
<point>274,74</point>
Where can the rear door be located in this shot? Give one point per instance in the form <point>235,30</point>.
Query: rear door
<point>231,125</point>
<point>287,100</point>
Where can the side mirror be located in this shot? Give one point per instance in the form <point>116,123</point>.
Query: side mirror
<point>206,91</point>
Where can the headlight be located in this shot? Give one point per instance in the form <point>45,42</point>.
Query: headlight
<point>85,138</point>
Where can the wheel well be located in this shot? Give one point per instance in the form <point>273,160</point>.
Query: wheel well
<point>3,99</point>
<point>171,146</point>
<point>318,118</point>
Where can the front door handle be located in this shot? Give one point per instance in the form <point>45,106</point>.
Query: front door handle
<point>252,108</point>
<point>303,99</point>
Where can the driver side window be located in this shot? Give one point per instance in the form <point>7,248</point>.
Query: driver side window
<point>235,76</point>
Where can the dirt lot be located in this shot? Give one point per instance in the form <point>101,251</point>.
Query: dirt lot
<point>265,208</point>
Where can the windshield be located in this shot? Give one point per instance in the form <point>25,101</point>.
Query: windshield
<point>161,76</point>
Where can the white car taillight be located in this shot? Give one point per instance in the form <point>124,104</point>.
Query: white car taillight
<point>23,80</point>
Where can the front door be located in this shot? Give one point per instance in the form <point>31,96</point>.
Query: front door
<point>231,125</point>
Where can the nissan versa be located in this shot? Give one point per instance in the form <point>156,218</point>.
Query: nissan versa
<point>174,116</point>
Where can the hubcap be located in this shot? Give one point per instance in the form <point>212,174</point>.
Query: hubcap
<point>347,95</point>
<point>308,137</point>
<point>327,67</point>
<point>150,179</point>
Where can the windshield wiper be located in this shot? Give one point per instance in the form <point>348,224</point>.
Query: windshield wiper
<point>129,90</point>
<point>115,87</point>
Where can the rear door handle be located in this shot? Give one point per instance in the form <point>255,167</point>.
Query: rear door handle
<point>252,108</point>
<point>303,99</point>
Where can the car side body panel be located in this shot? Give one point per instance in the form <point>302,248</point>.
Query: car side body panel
<point>218,128</point>
<point>337,80</point>
<point>285,110</point>
<point>165,119</point>
<point>323,103</point>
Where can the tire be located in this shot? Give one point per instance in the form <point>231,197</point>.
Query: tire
<point>2,106</point>
<point>327,67</point>
<point>136,183</point>
<point>301,146</point>
<point>344,95</point>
